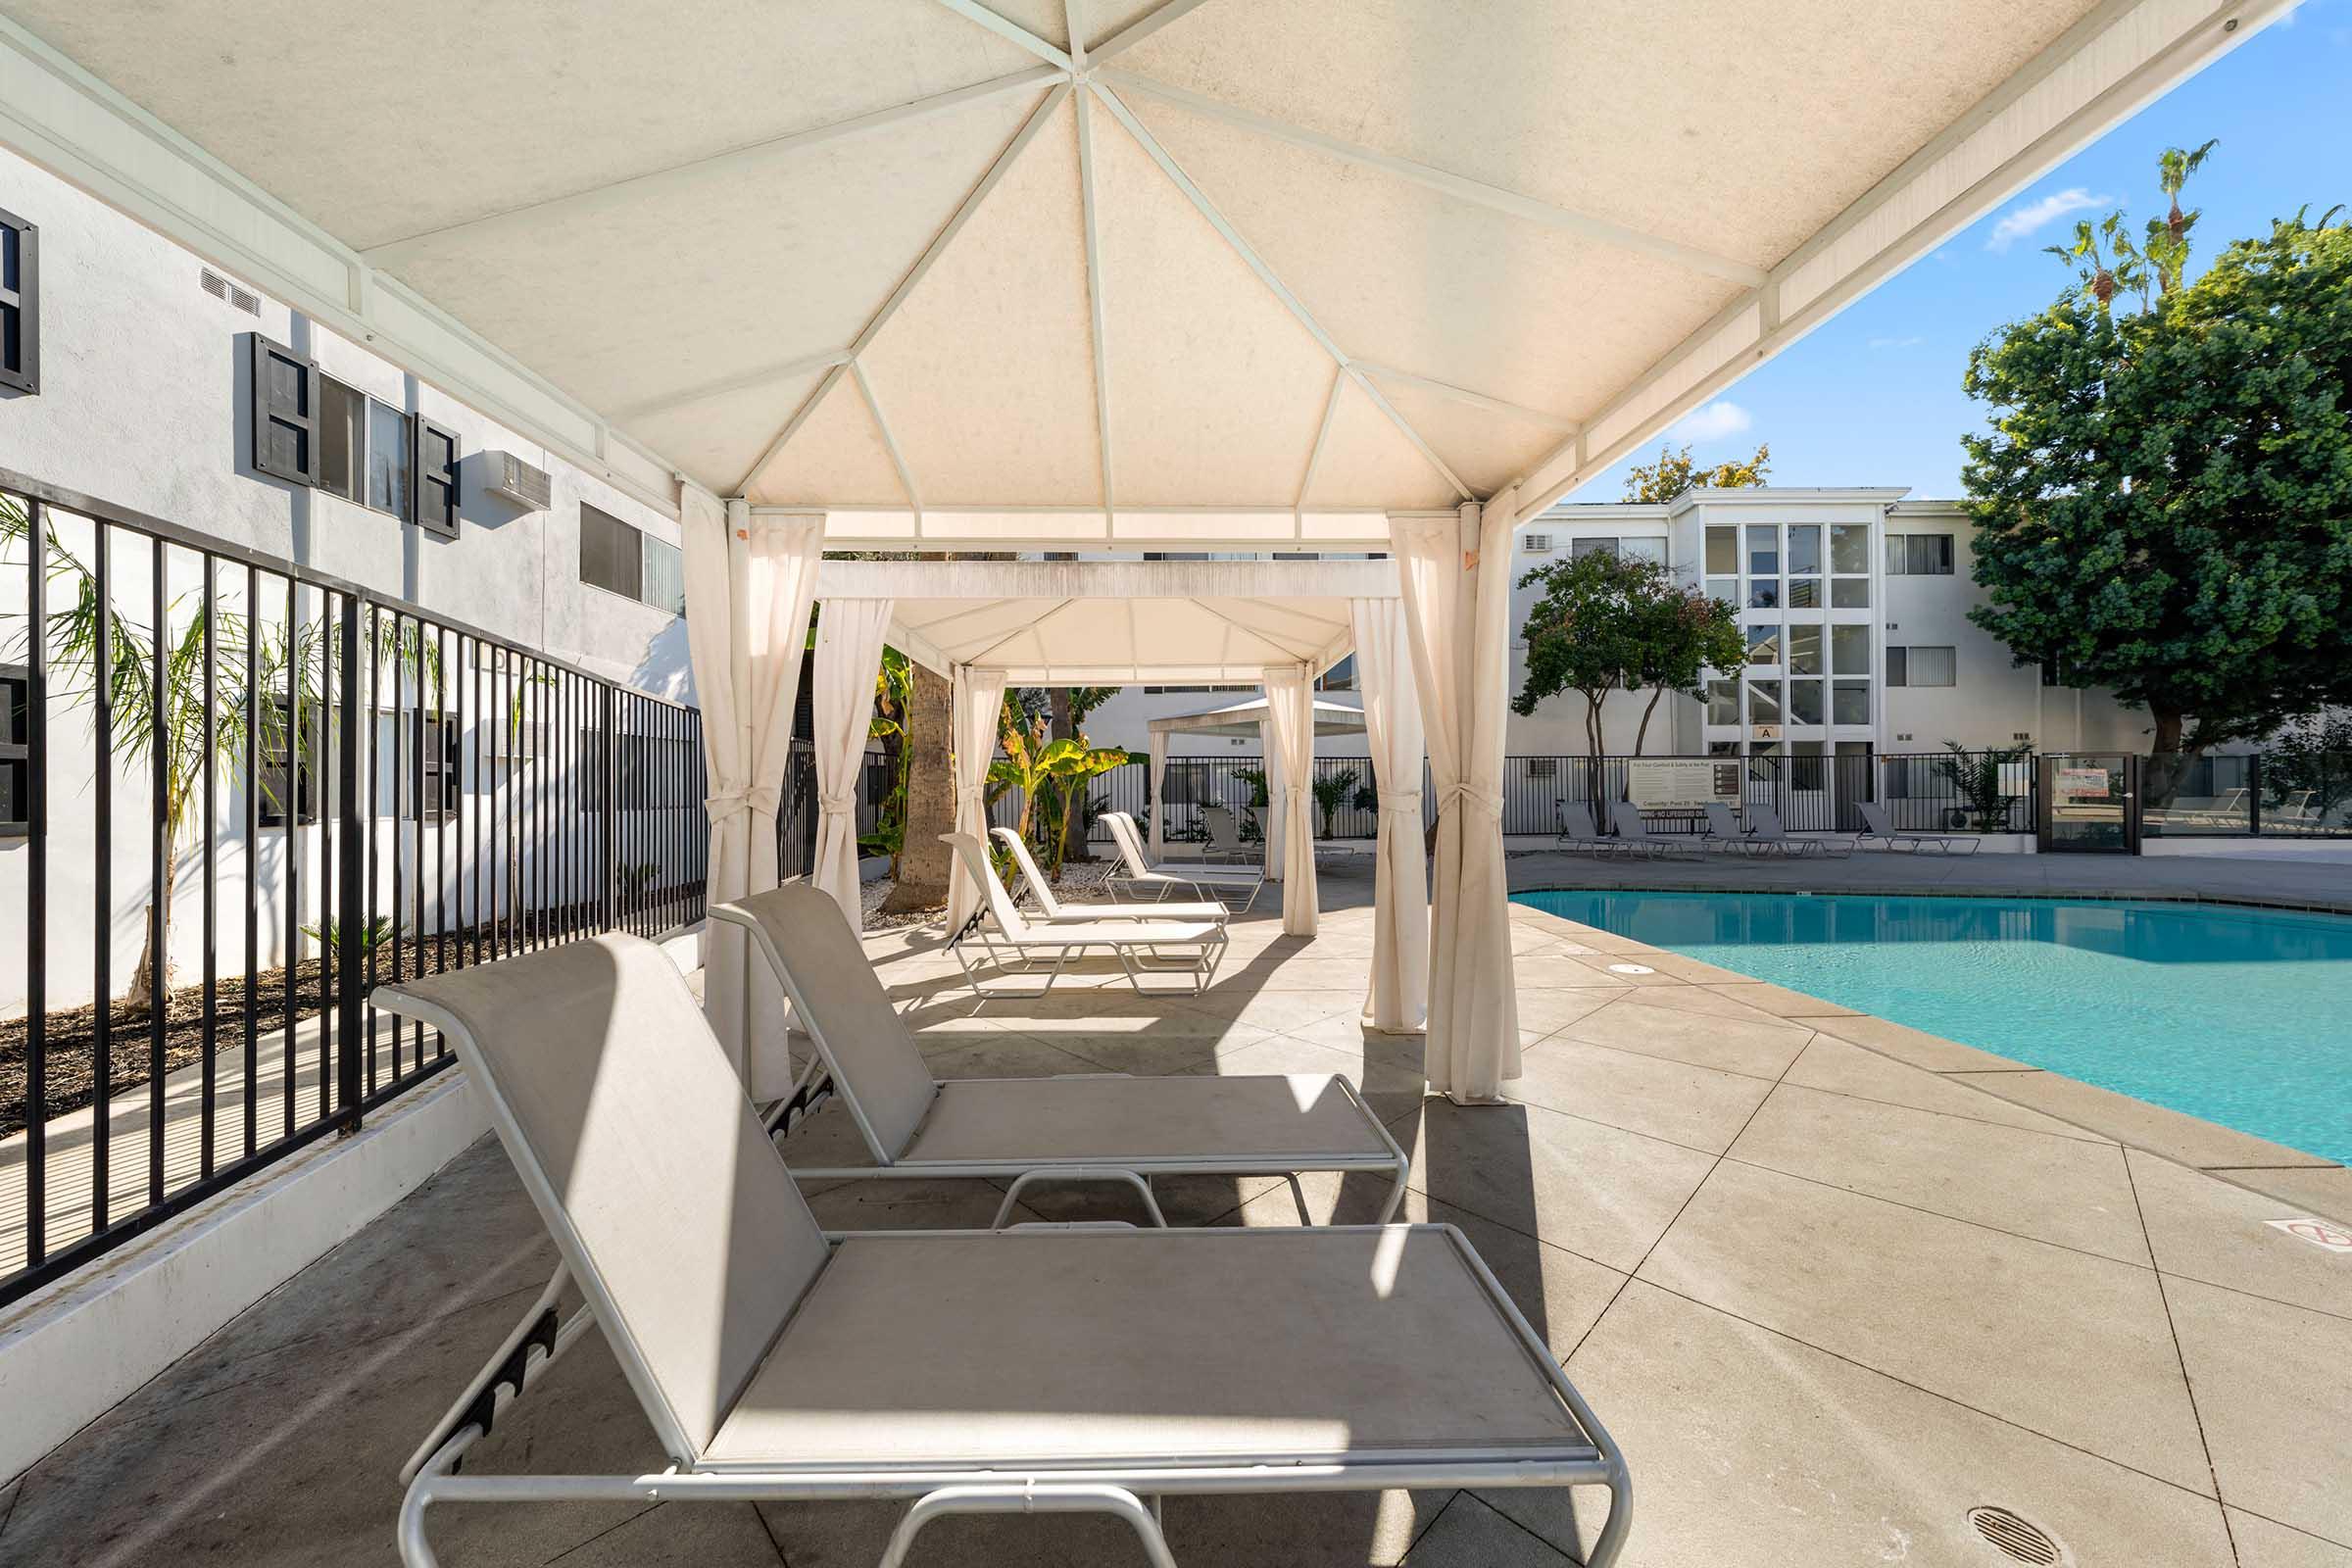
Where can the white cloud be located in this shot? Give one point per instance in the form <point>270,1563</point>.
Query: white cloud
<point>2020,221</point>
<point>1716,419</point>
<point>1911,342</point>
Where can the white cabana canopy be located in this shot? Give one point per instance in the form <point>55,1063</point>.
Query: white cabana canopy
<point>1244,719</point>
<point>1193,275</point>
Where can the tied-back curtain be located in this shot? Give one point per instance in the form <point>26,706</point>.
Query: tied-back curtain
<point>1290,723</point>
<point>979,700</point>
<point>1155,831</point>
<point>1398,999</point>
<point>849,652</point>
<point>1457,589</point>
<point>1278,786</point>
<point>750,582</point>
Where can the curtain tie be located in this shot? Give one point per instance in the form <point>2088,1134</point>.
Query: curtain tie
<point>838,804</point>
<point>973,797</point>
<point>727,805</point>
<point>1487,801</point>
<point>1405,803</point>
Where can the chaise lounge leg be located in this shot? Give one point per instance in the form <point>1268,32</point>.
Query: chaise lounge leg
<point>1031,1498</point>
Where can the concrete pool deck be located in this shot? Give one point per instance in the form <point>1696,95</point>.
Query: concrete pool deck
<point>1830,1283</point>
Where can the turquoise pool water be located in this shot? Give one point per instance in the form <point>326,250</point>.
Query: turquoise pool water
<point>2240,1016</point>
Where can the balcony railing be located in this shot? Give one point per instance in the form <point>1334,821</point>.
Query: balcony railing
<point>331,791</point>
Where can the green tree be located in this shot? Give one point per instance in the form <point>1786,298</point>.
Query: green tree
<point>1674,472</point>
<point>1603,624</point>
<point>2307,771</point>
<point>1332,791</point>
<point>2163,501</point>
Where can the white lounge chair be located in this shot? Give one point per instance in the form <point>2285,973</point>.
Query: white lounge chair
<point>1226,845</point>
<point>1054,912</point>
<point>1057,1369</point>
<point>1191,948</point>
<point>1886,836</point>
<point>1086,1127</point>
<point>1577,832</point>
<point>1201,880</point>
<point>1633,834</point>
<point>1764,829</point>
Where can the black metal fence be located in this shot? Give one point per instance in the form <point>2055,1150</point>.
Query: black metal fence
<point>288,790</point>
<point>2300,794</point>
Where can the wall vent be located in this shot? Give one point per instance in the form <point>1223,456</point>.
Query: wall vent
<point>1535,544</point>
<point>516,480</point>
<point>221,288</point>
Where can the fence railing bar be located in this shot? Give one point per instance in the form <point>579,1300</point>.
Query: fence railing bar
<point>206,1115</point>
<point>159,751</point>
<point>102,688</point>
<point>36,882</point>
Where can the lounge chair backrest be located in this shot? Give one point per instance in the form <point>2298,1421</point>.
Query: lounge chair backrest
<point>839,1000</point>
<point>1628,818</point>
<point>1765,822</point>
<point>1576,820</point>
<point>1131,848</point>
<point>1046,901</point>
<point>974,856</point>
<point>1721,823</point>
<point>1874,818</point>
<point>1224,829</point>
<point>632,1134</point>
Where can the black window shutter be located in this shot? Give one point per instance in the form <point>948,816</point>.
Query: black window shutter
<point>20,304</point>
<point>434,486</point>
<point>286,412</point>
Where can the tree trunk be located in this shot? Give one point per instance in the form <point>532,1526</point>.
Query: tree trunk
<point>1065,717</point>
<point>2169,760</point>
<point>1643,734</point>
<point>923,861</point>
<point>143,977</point>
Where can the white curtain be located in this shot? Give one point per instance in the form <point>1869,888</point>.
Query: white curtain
<point>1278,784</point>
<point>1457,597</point>
<point>749,585</point>
<point>1156,832</point>
<point>1397,1001</point>
<point>1290,725</point>
<point>849,653</point>
<point>979,700</point>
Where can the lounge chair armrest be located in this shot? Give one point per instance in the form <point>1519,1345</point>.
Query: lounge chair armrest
<point>1078,1173</point>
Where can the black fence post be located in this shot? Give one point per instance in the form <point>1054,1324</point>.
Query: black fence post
<point>2254,795</point>
<point>351,843</point>
<point>609,824</point>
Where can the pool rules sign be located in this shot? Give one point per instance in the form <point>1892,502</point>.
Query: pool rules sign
<point>1681,783</point>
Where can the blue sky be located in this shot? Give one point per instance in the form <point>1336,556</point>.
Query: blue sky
<point>1874,396</point>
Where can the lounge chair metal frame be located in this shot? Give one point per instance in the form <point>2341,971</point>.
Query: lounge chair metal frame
<point>1734,842</point>
<point>1205,880</point>
<point>1383,1156</point>
<point>1638,839</point>
<point>1570,839</point>
<point>1010,940</point>
<point>1766,831</point>
<point>940,1486</point>
<point>1053,910</point>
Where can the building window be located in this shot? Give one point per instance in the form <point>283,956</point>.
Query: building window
<point>1850,549</point>
<point>388,458</point>
<point>1726,589</point>
<point>15,752</point>
<point>1764,702</point>
<point>1849,651</point>
<point>436,735</point>
<point>342,440</point>
<point>1849,593</point>
<point>1651,548</point>
<point>312,429</point>
<point>1723,552</point>
<point>1920,667</point>
<point>1339,677</point>
<point>20,304</point>
<point>1918,555</point>
<point>1764,644</point>
<point>269,766</point>
<point>1723,703</point>
<point>663,575</point>
<point>1804,701</point>
<point>610,556</point>
<point>1804,650</point>
<point>1849,701</point>
<point>1579,549</point>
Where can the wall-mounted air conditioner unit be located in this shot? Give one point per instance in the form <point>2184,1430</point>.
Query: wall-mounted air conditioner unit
<point>516,480</point>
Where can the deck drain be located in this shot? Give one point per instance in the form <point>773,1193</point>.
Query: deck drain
<point>1631,968</point>
<point>2017,1537</point>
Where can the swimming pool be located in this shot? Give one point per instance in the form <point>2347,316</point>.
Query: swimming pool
<point>2241,1016</point>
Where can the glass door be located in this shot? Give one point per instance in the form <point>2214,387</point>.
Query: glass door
<point>2089,801</point>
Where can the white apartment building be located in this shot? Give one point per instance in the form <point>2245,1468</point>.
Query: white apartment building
<point>1854,602</point>
<point>160,388</point>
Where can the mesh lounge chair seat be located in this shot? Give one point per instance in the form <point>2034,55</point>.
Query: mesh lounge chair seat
<point>1192,948</point>
<point>1725,833</point>
<point>1633,834</point>
<point>1054,912</point>
<point>1765,830</point>
<point>1033,1353</point>
<point>1074,1369</point>
<point>1576,831</point>
<point>1093,1127</point>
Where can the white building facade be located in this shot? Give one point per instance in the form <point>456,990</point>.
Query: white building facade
<point>1854,603</point>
